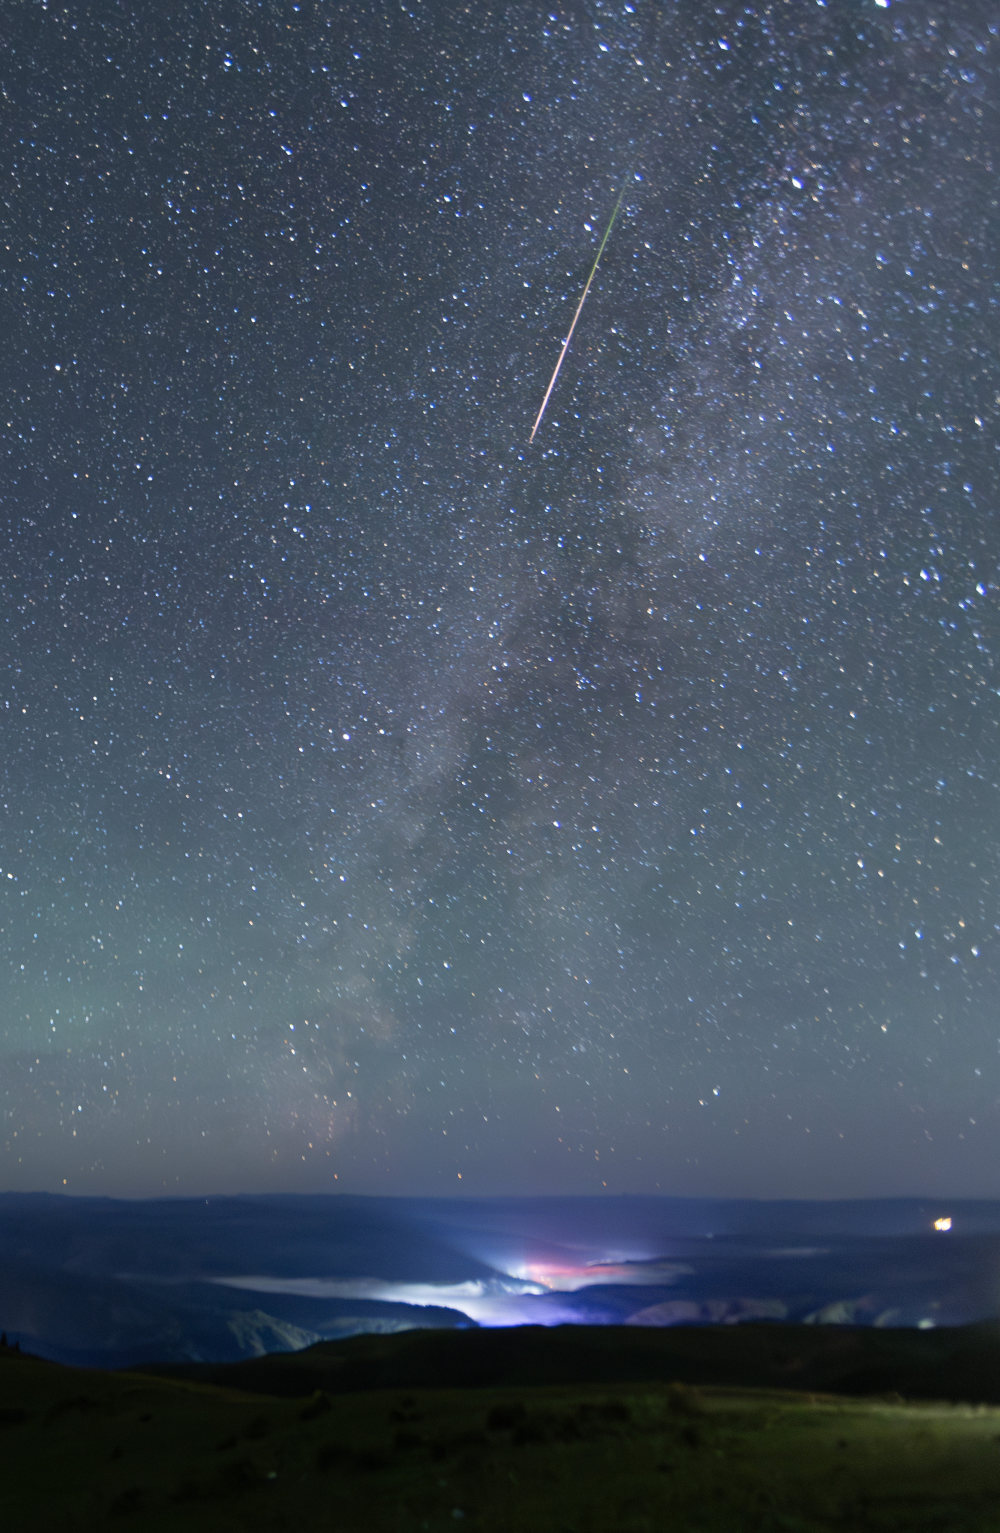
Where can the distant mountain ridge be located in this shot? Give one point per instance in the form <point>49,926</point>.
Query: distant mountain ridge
<point>108,1283</point>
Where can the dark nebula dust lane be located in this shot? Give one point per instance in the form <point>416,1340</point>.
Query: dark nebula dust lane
<point>390,804</point>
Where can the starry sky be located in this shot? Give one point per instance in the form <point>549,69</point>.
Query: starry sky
<point>390,805</point>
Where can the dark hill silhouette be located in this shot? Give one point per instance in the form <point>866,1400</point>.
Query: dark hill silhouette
<point>959,1363</point>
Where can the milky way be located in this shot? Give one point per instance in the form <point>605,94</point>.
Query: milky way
<point>390,805</point>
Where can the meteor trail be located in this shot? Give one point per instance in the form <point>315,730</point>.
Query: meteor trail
<point>576,316</point>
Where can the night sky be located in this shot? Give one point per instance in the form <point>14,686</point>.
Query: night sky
<point>389,805</point>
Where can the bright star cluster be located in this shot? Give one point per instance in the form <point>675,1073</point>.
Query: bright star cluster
<point>393,805</point>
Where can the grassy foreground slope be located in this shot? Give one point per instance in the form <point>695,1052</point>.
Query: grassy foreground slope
<point>87,1451</point>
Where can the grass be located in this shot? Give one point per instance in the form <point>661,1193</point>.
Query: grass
<point>88,1451</point>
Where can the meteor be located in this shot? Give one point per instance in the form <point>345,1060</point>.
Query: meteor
<point>576,316</point>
